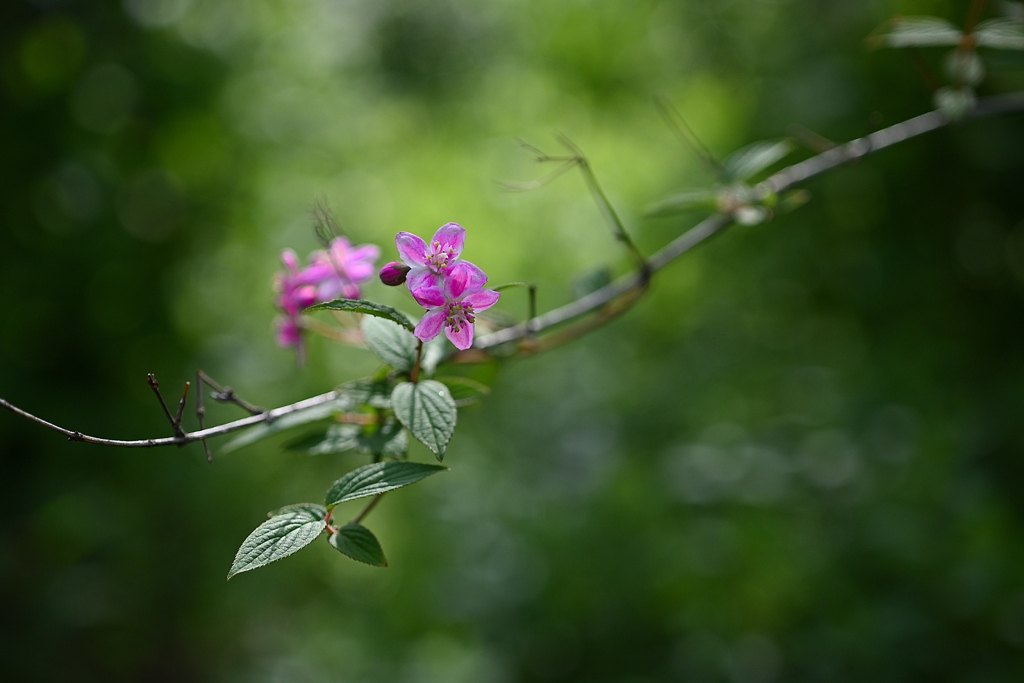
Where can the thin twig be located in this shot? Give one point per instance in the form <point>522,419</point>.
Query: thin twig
<point>366,510</point>
<point>201,411</point>
<point>599,299</point>
<point>784,179</point>
<point>226,394</point>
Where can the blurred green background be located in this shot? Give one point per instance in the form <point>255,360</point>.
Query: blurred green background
<point>800,458</point>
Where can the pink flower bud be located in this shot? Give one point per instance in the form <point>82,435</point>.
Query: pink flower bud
<point>393,274</point>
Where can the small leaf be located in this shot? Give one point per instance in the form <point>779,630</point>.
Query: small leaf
<point>280,536</point>
<point>964,67</point>
<point>754,158</point>
<point>376,478</point>
<point>684,201</point>
<point>1006,33</point>
<point>388,439</point>
<point>359,543</point>
<point>464,390</point>
<point>919,32</point>
<point>427,411</point>
<point>391,342</point>
<point>367,307</point>
<point>300,417</point>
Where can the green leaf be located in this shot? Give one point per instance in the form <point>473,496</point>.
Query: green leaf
<point>300,417</point>
<point>433,352</point>
<point>283,534</point>
<point>377,478</point>
<point>427,411</point>
<point>464,390</point>
<point>919,32</point>
<point>311,509</point>
<point>388,439</point>
<point>360,544</point>
<point>754,158</point>
<point>1005,33</point>
<point>367,307</point>
<point>684,201</point>
<point>391,342</point>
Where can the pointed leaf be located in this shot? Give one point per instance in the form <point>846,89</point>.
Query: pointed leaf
<point>684,201</point>
<point>1005,33</point>
<point>464,390</point>
<point>366,307</point>
<point>754,158</point>
<point>300,417</point>
<point>280,536</point>
<point>389,439</point>
<point>376,478</point>
<point>360,544</point>
<point>391,342</point>
<point>427,411</point>
<point>919,32</point>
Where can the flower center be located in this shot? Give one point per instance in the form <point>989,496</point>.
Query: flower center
<point>438,257</point>
<point>459,316</point>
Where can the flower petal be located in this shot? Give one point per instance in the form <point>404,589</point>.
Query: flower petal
<point>426,287</point>
<point>430,324</point>
<point>462,339</point>
<point>364,252</point>
<point>463,278</point>
<point>290,259</point>
<point>411,249</point>
<point>482,300</point>
<point>451,236</point>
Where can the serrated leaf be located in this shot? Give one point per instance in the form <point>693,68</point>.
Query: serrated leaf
<point>427,411</point>
<point>388,439</point>
<point>919,32</point>
<point>370,391</point>
<point>754,158</point>
<point>464,390</point>
<point>377,478</point>
<point>360,544</point>
<point>300,417</point>
<point>366,307</point>
<point>1004,33</point>
<point>684,201</point>
<point>311,509</point>
<point>280,536</point>
<point>391,342</point>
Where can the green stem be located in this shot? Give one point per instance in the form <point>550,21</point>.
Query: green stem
<point>414,376</point>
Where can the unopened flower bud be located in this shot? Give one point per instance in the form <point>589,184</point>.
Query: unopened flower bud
<point>393,274</point>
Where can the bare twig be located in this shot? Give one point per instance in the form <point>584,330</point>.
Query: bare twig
<point>226,394</point>
<point>366,510</point>
<point>201,411</point>
<point>609,300</point>
<point>784,179</point>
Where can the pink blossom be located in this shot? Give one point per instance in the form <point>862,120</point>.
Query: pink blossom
<point>332,273</point>
<point>345,267</point>
<point>429,265</point>
<point>453,305</point>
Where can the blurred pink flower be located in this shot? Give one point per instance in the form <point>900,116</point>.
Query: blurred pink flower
<point>332,273</point>
<point>453,305</point>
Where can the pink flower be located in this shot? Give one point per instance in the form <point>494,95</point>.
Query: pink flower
<point>345,267</point>
<point>453,305</point>
<point>336,271</point>
<point>429,265</point>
